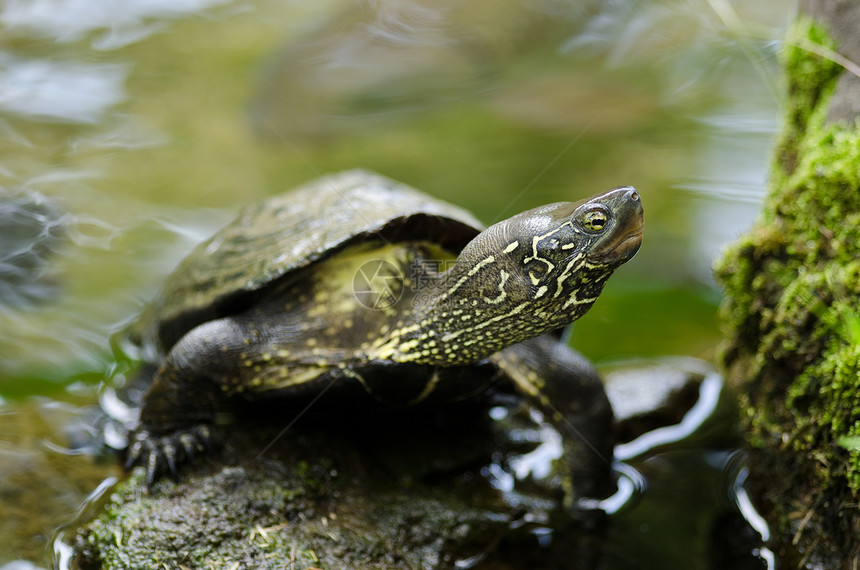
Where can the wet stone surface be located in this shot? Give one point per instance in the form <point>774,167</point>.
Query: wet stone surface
<point>649,396</point>
<point>430,487</point>
<point>390,489</point>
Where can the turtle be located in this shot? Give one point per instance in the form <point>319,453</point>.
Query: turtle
<point>357,283</point>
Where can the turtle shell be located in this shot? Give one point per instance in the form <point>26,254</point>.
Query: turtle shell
<point>279,237</point>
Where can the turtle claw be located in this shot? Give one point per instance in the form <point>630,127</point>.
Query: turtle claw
<point>164,454</point>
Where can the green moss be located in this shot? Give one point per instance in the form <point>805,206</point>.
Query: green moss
<point>348,494</point>
<point>792,287</point>
<point>810,76</point>
<point>136,529</point>
<point>811,79</point>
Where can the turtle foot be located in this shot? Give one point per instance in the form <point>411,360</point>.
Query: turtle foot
<point>163,454</point>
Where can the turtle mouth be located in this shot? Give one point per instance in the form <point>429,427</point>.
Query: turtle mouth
<point>627,248</point>
<point>621,250</point>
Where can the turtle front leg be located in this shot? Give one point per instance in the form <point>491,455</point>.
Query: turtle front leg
<point>174,425</point>
<point>567,390</point>
<point>178,411</point>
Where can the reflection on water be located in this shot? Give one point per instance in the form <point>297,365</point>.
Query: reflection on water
<point>32,232</point>
<point>390,60</point>
<point>130,130</point>
<point>45,90</point>
<point>119,23</point>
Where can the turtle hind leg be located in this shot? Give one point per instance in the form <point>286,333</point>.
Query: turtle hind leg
<point>567,390</point>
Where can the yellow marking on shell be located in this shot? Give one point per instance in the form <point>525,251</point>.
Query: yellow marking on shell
<point>297,378</point>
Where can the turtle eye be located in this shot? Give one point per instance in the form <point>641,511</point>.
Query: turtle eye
<point>595,220</point>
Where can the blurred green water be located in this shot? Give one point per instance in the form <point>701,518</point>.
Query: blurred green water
<point>144,128</point>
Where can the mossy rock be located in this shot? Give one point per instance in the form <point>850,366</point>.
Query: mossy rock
<point>378,488</point>
<point>792,290</point>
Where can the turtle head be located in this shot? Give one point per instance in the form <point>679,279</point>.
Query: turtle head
<point>559,248</point>
<point>535,272</point>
